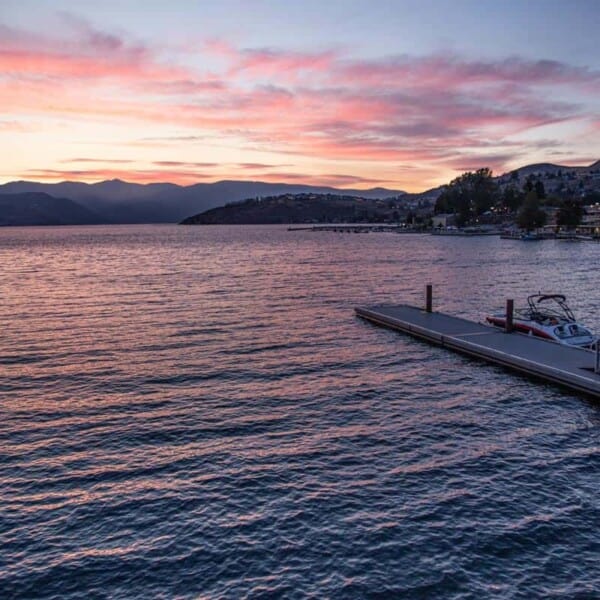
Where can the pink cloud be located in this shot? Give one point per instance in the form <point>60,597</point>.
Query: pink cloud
<point>177,163</point>
<point>183,86</point>
<point>85,54</point>
<point>251,166</point>
<point>112,161</point>
<point>24,52</point>
<point>271,62</point>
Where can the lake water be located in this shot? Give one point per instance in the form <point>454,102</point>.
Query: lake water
<point>197,413</point>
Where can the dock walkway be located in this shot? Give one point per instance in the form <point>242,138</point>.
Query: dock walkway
<point>569,367</point>
<point>355,228</point>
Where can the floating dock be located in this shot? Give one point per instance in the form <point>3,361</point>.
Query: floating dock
<point>573,368</point>
<point>355,228</point>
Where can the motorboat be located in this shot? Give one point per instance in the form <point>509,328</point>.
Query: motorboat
<point>530,236</point>
<point>548,316</point>
<point>524,237</point>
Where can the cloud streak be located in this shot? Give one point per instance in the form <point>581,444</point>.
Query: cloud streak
<point>112,161</point>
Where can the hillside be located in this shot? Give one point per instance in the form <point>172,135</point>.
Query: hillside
<point>41,209</point>
<point>298,208</point>
<point>558,180</point>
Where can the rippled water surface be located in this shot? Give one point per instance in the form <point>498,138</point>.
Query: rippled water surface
<point>197,413</point>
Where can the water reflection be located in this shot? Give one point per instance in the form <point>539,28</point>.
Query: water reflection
<point>190,411</point>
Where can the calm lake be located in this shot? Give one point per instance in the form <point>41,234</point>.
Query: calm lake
<point>195,412</point>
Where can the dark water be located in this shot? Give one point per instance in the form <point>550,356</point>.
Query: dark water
<point>197,413</point>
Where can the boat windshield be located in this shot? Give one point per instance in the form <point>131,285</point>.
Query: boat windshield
<point>571,330</point>
<point>544,307</point>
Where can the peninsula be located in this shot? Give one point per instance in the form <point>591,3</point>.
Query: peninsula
<point>299,208</point>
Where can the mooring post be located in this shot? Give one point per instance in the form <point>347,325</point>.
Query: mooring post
<point>597,365</point>
<point>510,309</point>
<point>429,298</point>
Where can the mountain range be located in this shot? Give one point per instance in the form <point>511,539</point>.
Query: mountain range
<point>118,201</point>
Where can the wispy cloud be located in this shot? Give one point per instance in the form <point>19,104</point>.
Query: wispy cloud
<point>111,161</point>
<point>177,163</point>
<point>272,62</point>
<point>252,166</point>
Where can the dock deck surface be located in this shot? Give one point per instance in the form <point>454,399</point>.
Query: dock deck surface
<point>557,363</point>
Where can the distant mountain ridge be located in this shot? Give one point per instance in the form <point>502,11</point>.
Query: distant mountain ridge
<point>123,202</point>
<point>110,190</point>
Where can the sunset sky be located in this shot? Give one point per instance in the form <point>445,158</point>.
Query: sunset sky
<point>402,94</point>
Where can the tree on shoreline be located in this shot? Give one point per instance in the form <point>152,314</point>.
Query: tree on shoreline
<point>511,199</point>
<point>468,196</point>
<point>531,216</point>
<point>569,214</point>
